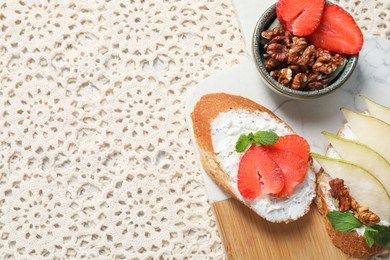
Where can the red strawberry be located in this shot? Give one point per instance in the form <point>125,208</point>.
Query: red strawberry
<point>258,174</point>
<point>291,153</point>
<point>293,143</point>
<point>300,17</point>
<point>338,32</point>
<point>293,167</point>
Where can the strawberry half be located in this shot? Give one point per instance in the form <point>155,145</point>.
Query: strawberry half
<point>293,143</point>
<point>293,167</point>
<point>258,174</point>
<point>300,17</point>
<point>338,32</point>
<point>291,153</point>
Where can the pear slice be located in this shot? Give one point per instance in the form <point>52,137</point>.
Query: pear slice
<point>377,110</point>
<point>363,156</point>
<point>363,186</point>
<point>370,131</point>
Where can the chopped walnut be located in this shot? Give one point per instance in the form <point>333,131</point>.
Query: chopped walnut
<point>285,76</point>
<point>295,69</point>
<point>341,193</point>
<point>299,44</point>
<point>277,51</point>
<point>271,64</point>
<point>317,85</point>
<point>314,76</point>
<point>308,67</point>
<point>308,56</point>
<point>277,47</point>
<point>326,62</point>
<point>269,34</point>
<point>299,81</point>
<point>275,74</point>
<point>364,214</point>
<point>316,80</point>
<point>339,59</point>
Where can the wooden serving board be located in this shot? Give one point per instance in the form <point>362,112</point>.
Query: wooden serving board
<point>247,236</point>
<point>244,234</point>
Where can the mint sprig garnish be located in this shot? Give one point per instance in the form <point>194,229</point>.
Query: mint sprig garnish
<point>265,137</point>
<point>379,234</point>
<point>346,221</point>
<point>343,221</point>
<point>369,235</point>
<point>243,142</point>
<point>260,137</point>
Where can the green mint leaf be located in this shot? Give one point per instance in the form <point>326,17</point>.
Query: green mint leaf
<point>368,235</point>
<point>343,221</point>
<point>265,137</point>
<point>380,234</point>
<point>260,137</point>
<point>243,142</point>
<point>346,221</point>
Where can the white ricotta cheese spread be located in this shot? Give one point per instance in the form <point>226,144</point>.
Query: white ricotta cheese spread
<point>225,130</point>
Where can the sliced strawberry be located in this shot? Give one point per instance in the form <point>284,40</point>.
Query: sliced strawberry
<point>291,153</point>
<point>258,174</point>
<point>300,17</point>
<point>293,167</point>
<point>293,143</point>
<point>338,32</point>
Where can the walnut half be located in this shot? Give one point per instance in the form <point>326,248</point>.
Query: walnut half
<point>340,192</point>
<point>364,214</point>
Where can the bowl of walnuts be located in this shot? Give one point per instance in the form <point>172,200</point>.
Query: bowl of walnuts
<point>306,51</point>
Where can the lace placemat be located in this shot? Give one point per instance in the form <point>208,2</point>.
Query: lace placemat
<point>95,156</point>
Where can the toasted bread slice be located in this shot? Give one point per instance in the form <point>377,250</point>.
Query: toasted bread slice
<point>351,243</point>
<point>206,116</point>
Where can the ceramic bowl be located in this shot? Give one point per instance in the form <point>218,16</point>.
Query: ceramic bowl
<point>258,51</point>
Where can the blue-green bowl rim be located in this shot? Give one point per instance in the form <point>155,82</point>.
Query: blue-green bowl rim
<point>264,22</point>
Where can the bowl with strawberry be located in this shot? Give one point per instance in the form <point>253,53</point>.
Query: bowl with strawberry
<point>306,48</point>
